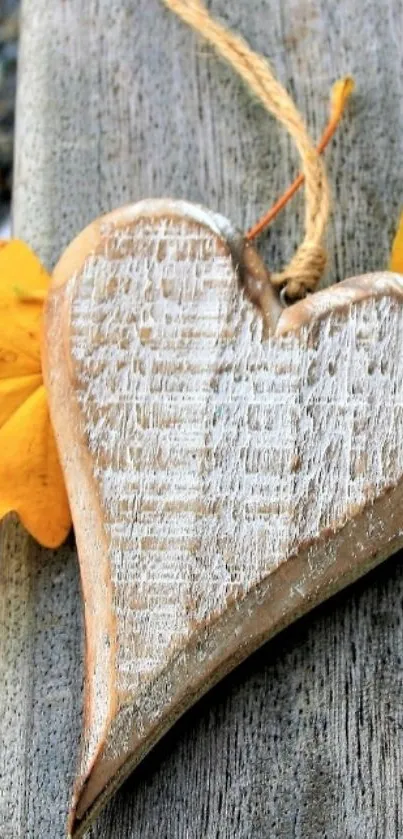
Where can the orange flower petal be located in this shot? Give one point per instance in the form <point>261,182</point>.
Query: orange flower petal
<point>23,284</point>
<point>13,392</point>
<point>21,272</point>
<point>31,480</point>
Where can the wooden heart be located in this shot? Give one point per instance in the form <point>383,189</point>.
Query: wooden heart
<point>221,483</point>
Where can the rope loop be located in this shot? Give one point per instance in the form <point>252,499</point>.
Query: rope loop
<point>306,267</point>
<point>303,273</point>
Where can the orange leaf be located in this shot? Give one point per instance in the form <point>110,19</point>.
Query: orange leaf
<point>396,259</point>
<point>31,480</point>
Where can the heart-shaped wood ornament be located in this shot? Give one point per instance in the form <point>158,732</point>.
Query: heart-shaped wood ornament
<point>222,481</point>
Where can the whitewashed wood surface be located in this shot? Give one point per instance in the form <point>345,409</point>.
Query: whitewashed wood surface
<point>119,101</point>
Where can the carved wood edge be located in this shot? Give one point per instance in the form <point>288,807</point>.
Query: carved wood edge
<point>258,630</point>
<point>267,607</point>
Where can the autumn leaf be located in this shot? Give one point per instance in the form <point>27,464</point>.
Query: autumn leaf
<point>396,259</point>
<point>31,479</point>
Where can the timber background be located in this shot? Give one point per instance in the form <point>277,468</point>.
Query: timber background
<point>117,101</point>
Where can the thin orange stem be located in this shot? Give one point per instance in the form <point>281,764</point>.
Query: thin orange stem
<point>268,217</point>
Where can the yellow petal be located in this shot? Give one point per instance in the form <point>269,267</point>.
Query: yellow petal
<point>20,348</point>
<point>15,391</point>
<point>31,479</point>
<point>21,271</point>
<point>23,285</point>
<point>341,91</point>
<point>396,259</point>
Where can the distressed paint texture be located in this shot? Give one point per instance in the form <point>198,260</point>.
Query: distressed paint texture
<point>216,455</point>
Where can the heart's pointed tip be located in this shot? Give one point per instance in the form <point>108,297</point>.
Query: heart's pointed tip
<point>293,589</point>
<point>75,828</point>
<point>71,822</point>
<point>74,831</point>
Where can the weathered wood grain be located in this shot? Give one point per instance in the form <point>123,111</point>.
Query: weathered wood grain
<point>223,480</point>
<point>117,101</point>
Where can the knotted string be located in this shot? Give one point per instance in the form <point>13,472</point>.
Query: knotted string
<point>304,271</point>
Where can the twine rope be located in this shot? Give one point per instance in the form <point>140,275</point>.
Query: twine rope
<point>305,269</point>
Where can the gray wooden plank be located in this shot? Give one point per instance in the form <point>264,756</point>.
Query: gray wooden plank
<point>40,678</point>
<point>118,101</point>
